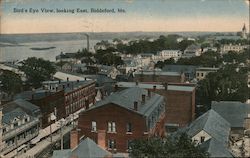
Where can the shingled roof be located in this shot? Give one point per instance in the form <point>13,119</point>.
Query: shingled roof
<point>213,124</point>
<point>232,111</point>
<point>86,149</point>
<point>127,97</point>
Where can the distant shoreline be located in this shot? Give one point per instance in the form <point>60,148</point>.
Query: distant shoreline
<point>46,48</point>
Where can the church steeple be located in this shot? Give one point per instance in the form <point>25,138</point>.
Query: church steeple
<point>244,32</point>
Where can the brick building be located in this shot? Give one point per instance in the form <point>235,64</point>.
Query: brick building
<point>158,76</point>
<point>179,101</point>
<point>130,114</point>
<point>49,102</point>
<point>78,94</point>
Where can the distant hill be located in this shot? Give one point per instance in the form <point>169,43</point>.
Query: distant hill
<point>23,38</point>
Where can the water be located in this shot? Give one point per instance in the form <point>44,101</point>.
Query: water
<point>23,52</point>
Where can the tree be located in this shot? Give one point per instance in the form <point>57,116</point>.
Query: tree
<point>227,84</point>
<point>173,146</point>
<point>37,70</point>
<point>161,64</point>
<point>11,82</point>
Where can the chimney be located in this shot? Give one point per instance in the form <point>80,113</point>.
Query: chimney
<point>101,138</point>
<point>149,93</point>
<point>67,79</point>
<point>143,97</point>
<point>32,97</point>
<point>68,85</point>
<point>59,81</point>
<point>166,86</point>
<point>135,105</point>
<point>63,87</point>
<point>56,89</point>
<point>77,81</point>
<point>85,78</point>
<point>154,88</point>
<point>116,88</point>
<point>136,83</point>
<point>74,139</point>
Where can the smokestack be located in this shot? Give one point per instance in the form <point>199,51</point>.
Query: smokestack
<point>154,88</point>
<point>143,96</point>
<point>149,93</point>
<point>136,83</point>
<point>87,41</point>
<point>74,139</point>
<point>101,138</point>
<point>166,85</point>
<point>135,105</point>
<point>116,88</point>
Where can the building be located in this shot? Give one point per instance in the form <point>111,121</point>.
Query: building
<point>66,57</point>
<point>244,32</point>
<point>158,76</point>
<point>211,131</point>
<point>236,113</point>
<point>87,148</point>
<point>179,102</point>
<point>133,113</point>
<point>192,51</point>
<point>49,102</point>
<point>78,94</point>
<point>167,54</point>
<point>20,122</point>
<point>233,47</point>
<point>202,72</point>
<point>188,70</point>
<point>109,71</point>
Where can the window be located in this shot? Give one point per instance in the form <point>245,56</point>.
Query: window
<point>198,74</point>
<point>111,144</point>
<point>93,128</point>
<point>15,124</point>
<point>129,127</point>
<point>111,127</point>
<point>129,142</point>
<point>202,139</point>
<point>201,74</point>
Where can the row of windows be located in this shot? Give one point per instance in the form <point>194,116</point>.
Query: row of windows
<point>79,93</point>
<point>198,74</point>
<point>112,144</point>
<point>111,127</point>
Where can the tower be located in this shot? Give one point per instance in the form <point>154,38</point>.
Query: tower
<point>244,32</point>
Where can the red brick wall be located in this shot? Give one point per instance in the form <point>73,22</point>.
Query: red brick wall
<point>47,105</point>
<point>180,106</point>
<point>121,117</point>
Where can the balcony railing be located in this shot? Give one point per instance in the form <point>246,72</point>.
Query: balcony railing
<point>7,148</point>
<point>20,129</point>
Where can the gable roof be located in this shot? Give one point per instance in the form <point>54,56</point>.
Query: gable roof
<point>8,116</point>
<point>216,148</point>
<point>127,97</point>
<point>86,149</point>
<point>232,111</point>
<point>212,123</point>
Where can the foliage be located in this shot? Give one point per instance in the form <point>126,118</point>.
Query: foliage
<point>161,64</point>
<point>207,59</point>
<point>171,147</point>
<point>37,70</point>
<point>227,84</point>
<point>11,82</point>
<point>106,57</point>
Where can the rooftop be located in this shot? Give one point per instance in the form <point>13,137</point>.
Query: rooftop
<point>213,124</point>
<point>127,97</point>
<point>158,86</point>
<point>159,73</point>
<point>67,86</point>
<point>232,111</point>
<point>86,149</point>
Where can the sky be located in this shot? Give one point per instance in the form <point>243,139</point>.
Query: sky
<point>140,15</point>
